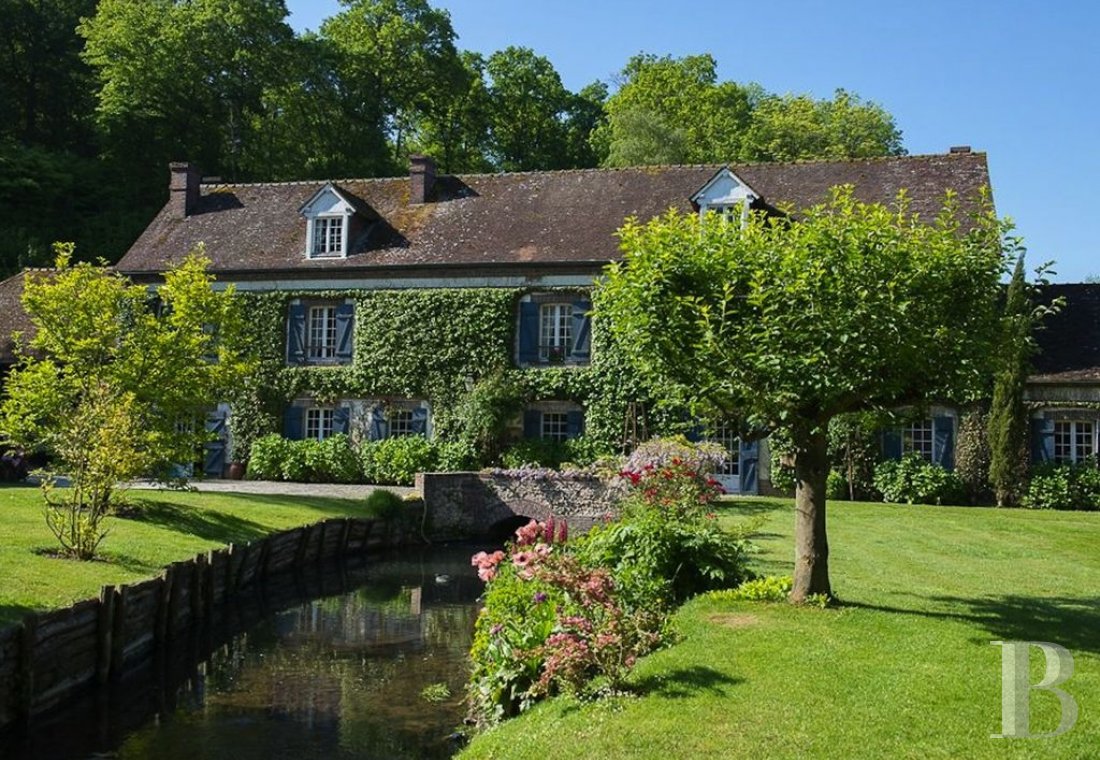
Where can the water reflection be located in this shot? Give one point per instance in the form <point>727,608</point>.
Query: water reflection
<point>337,677</point>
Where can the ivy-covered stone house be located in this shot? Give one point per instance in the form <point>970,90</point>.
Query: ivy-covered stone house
<point>378,304</point>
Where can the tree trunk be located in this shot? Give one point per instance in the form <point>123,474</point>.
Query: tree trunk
<point>811,543</point>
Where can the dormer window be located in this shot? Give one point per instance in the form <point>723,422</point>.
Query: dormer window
<point>328,237</point>
<point>329,214</point>
<point>725,195</point>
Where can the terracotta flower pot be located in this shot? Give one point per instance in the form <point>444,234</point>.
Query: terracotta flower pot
<point>236,470</point>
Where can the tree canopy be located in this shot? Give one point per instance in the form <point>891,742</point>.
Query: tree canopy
<point>99,96</point>
<point>114,384</point>
<point>785,322</point>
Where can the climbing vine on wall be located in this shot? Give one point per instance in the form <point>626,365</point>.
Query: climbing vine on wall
<point>433,344</point>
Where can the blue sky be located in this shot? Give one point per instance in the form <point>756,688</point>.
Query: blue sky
<point>1018,80</point>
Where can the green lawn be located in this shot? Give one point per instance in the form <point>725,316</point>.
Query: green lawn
<point>903,669</point>
<point>167,526</point>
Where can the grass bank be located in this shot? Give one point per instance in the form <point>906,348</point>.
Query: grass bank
<point>903,669</point>
<point>165,527</point>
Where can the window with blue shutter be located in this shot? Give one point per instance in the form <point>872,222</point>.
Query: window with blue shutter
<point>574,425</point>
<point>749,456</point>
<point>582,332</point>
<point>345,333</point>
<point>296,334</point>
<point>1042,440</point>
<point>528,333</point>
<point>341,420</point>
<point>532,423</point>
<point>294,423</point>
<point>943,442</point>
<point>420,421</point>
<point>891,444</point>
<point>377,428</point>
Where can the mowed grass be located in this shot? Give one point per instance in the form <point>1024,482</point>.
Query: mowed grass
<point>165,527</point>
<point>904,669</point>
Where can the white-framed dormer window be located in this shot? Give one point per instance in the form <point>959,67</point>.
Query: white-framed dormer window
<point>555,331</point>
<point>1074,441</point>
<point>328,237</point>
<point>328,214</point>
<point>321,334</point>
<point>725,195</point>
<point>319,422</point>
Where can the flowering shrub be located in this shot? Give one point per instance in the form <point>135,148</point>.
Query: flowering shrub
<point>911,480</point>
<point>550,624</point>
<point>1064,486</point>
<point>674,475</point>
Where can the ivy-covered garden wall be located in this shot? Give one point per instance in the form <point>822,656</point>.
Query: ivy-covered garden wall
<point>434,344</point>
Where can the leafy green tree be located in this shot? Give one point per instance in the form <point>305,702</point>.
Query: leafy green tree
<point>398,65</point>
<point>796,127</point>
<point>680,98</point>
<point>457,133</point>
<point>785,325</point>
<point>183,79</point>
<point>677,109</point>
<point>527,109</point>
<point>114,386</point>
<point>1008,419</point>
<point>45,87</point>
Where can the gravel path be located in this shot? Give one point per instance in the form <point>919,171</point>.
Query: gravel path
<point>274,488</point>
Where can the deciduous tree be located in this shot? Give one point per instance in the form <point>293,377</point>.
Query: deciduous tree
<point>785,323</point>
<point>113,384</point>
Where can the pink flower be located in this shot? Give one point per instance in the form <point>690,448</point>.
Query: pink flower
<point>486,573</point>
<point>478,558</point>
<point>529,533</point>
<point>563,532</point>
<point>522,559</point>
<point>548,531</point>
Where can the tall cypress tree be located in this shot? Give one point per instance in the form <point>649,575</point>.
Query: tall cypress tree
<point>1008,417</point>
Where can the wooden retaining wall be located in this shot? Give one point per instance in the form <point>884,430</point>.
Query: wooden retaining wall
<point>55,656</point>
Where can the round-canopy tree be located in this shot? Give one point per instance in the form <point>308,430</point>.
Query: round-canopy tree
<point>784,322</point>
<point>114,383</point>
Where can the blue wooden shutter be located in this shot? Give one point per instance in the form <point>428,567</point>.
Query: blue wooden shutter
<point>528,333</point>
<point>574,424</point>
<point>420,421</point>
<point>214,450</point>
<point>345,332</point>
<point>341,419</point>
<point>296,334</point>
<point>532,423</point>
<point>378,427</point>
<point>582,331</point>
<point>943,442</point>
<point>891,443</point>
<point>750,455</point>
<point>1042,440</point>
<point>294,423</point>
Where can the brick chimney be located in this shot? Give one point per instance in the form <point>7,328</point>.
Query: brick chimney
<point>960,148</point>
<point>422,178</point>
<point>183,189</point>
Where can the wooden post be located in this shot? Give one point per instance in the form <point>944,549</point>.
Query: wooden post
<point>27,641</point>
<point>198,583</point>
<point>300,555</point>
<point>164,602</point>
<point>345,536</point>
<point>118,630</point>
<point>104,634</point>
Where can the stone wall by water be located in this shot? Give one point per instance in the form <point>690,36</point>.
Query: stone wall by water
<point>468,504</point>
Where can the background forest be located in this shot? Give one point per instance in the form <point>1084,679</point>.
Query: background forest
<point>97,96</point>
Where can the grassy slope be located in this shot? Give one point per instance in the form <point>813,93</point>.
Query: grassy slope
<point>169,526</point>
<point>904,669</point>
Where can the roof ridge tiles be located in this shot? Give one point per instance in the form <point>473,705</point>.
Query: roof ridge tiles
<point>609,169</point>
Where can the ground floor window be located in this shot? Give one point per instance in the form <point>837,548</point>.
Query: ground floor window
<point>917,438</point>
<point>726,435</point>
<point>555,426</point>
<point>402,423</point>
<point>319,422</point>
<point>1074,441</point>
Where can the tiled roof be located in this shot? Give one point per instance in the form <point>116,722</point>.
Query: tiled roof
<point>1069,343</point>
<point>559,217</point>
<point>12,316</point>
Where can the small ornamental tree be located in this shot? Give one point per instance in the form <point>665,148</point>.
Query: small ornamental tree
<point>115,381</point>
<point>1008,423</point>
<point>785,323</point>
